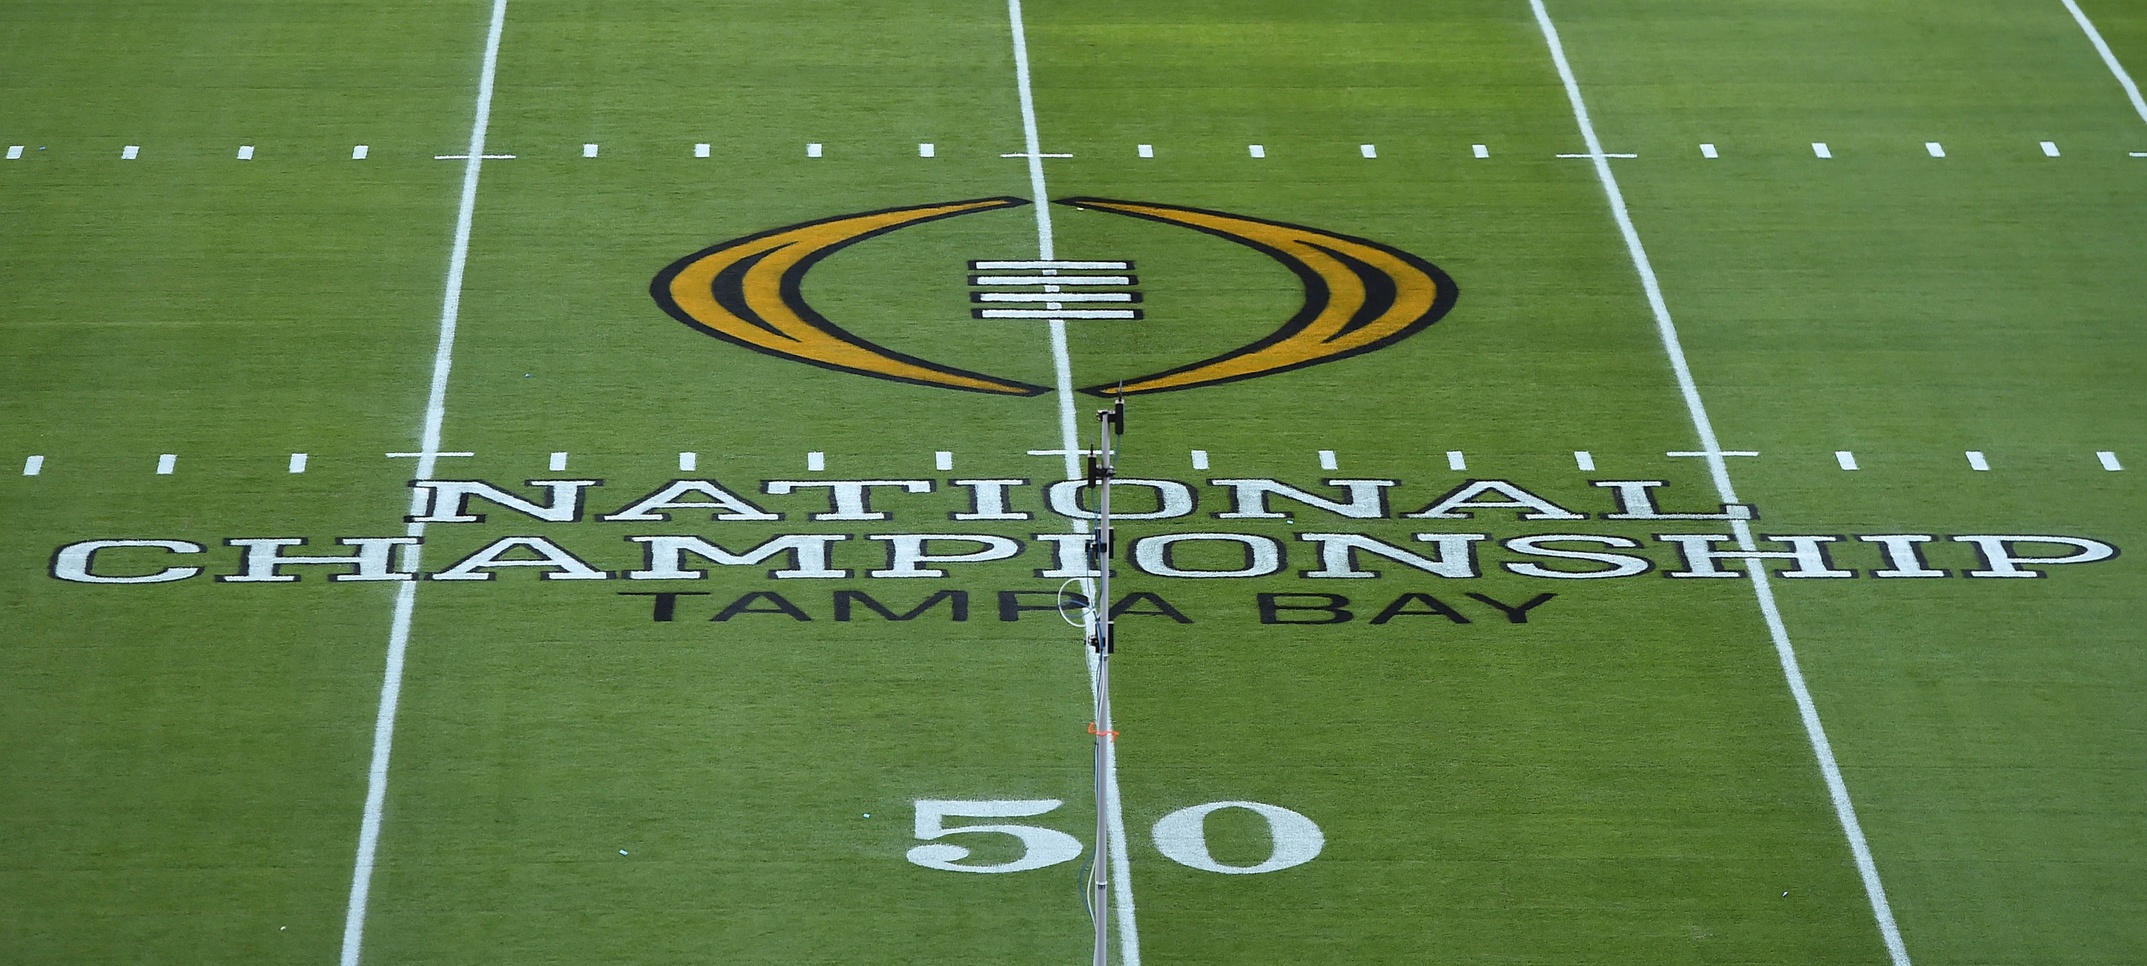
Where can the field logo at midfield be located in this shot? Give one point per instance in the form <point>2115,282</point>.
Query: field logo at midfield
<point>1360,296</point>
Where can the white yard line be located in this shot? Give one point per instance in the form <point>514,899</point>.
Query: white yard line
<point>1762,588</point>
<point>1129,943</point>
<point>2117,70</point>
<point>391,683</point>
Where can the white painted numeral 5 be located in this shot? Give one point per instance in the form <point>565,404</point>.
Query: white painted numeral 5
<point>1041,846</point>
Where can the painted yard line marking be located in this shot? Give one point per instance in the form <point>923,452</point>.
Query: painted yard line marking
<point>689,462</point>
<point>700,150</point>
<point>298,462</point>
<point>1368,150</point>
<point>359,151</point>
<point>1707,151</point>
<point>1937,150</point>
<point>1053,280</point>
<point>465,157</point>
<point>166,463</point>
<point>1076,453</point>
<point>588,150</point>
<point>1327,460</point>
<point>1200,459</point>
<point>14,152</point>
<point>926,149</point>
<point>1256,150</point>
<point>2117,70</point>
<point>1713,454</point>
<point>558,463</point>
<point>130,152</point>
<point>33,466</point>
<point>1820,149</point>
<point>1121,874</point>
<point>2139,154</point>
<point>1585,460</point>
<point>1481,150</point>
<point>1034,155</point>
<point>816,462</point>
<point>1145,150</point>
<point>419,456</point>
<point>2050,149</point>
<point>1054,297</point>
<point>812,149</point>
<point>1455,461</point>
<point>245,152</point>
<point>391,679</point>
<point>1591,156</point>
<point>943,460</point>
<point>2109,461</point>
<point>1845,459</point>
<point>1976,461</point>
<point>1762,585</point>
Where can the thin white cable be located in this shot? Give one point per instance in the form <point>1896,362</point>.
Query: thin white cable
<point>1129,946</point>
<point>2117,70</point>
<point>391,683</point>
<point>1762,589</point>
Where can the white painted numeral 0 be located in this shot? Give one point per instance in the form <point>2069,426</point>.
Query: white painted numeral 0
<point>1041,846</point>
<point>1182,837</point>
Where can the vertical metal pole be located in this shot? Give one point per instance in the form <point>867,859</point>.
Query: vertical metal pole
<point>1100,639</point>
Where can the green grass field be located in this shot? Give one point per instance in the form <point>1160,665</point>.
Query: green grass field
<point>1899,245</point>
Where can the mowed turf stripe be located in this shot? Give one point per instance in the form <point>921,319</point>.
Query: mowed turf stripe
<point>376,786</point>
<point>1718,469</point>
<point>1129,948</point>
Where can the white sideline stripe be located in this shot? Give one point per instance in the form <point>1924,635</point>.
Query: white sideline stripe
<point>1481,150</point>
<point>1937,150</point>
<point>1762,587</point>
<point>298,462</point>
<point>1976,461</point>
<point>1845,459</point>
<point>1039,264</point>
<point>700,150</point>
<point>1585,460</point>
<point>1327,460</point>
<point>33,466</point>
<point>2117,70</point>
<point>1367,150</point>
<point>130,152</point>
<point>816,462</point>
<point>2109,461</point>
<point>1200,459</point>
<point>689,462</point>
<point>358,152</point>
<point>166,463</point>
<point>812,149</point>
<point>588,150</point>
<point>1820,149</point>
<point>2139,154</point>
<point>558,463</point>
<point>1455,461</point>
<point>14,152</point>
<point>1707,151</point>
<point>1057,314</point>
<point>1256,150</point>
<point>944,460</point>
<point>245,152</point>
<point>1145,150</point>
<point>2050,149</point>
<point>1129,937</point>
<point>391,679</point>
<point>926,149</point>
